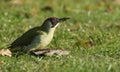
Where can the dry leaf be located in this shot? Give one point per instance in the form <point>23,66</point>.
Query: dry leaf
<point>18,2</point>
<point>117,26</point>
<point>49,52</point>
<point>6,52</point>
<point>117,1</point>
<point>2,62</point>
<point>34,12</point>
<point>47,8</point>
<point>85,43</point>
<point>89,43</point>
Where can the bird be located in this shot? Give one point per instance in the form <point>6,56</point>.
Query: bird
<point>37,37</point>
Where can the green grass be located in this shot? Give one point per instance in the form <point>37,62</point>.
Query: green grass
<point>92,35</point>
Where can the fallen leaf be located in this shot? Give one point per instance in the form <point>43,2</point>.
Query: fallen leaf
<point>2,62</point>
<point>49,52</point>
<point>89,43</point>
<point>18,2</point>
<point>117,26</point>
<point>85,43</point>
<point>47,8</point>
<point>34,11</point>
<point>117,1</point>
<point>27,15</point>
<point>6,52</point>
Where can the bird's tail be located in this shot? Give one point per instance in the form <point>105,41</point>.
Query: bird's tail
<point>17,51</point>
<point>14,49</point>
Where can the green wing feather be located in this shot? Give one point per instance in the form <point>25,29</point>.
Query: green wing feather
<point>26,38</point>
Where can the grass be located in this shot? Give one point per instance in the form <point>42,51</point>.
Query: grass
<point>92,35</point>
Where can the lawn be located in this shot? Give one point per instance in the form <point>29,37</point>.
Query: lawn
<point>92,34</point>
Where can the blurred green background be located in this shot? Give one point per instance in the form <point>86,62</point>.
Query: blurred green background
<point>92,34</point>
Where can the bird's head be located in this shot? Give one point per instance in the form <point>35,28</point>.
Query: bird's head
<point>53,22</point>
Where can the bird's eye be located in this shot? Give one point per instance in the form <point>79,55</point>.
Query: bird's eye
<point>53,21</point>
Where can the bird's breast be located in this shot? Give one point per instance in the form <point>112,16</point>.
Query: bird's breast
<point>40,41</point>
<point>46,38</point>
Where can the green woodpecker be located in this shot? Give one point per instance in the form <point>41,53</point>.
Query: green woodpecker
<point>38,37</point>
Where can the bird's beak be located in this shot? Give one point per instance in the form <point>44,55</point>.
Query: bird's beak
<point>63,19</point>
